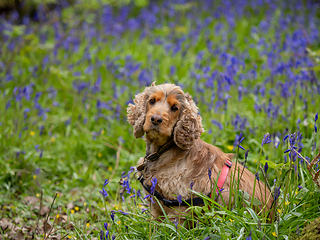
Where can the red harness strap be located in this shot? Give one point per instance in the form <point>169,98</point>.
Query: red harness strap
<point>223,175</point>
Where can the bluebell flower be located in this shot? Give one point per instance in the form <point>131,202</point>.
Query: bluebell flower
<point>179,198</point>
<point>112,215</point>
<point>266,139</point>
<point>249,236</point>
<point>105,182</point>
<point>277,193</point>
<point>209,173</point>
<point>246,155</point>
<point>176,223</point>
<point>266,167</point>
<point>257,176</point>
<point>104,193</point>
<point>240,139</point>
<point>153,184</point>
<point>191,184</point>
<point>102,235</point>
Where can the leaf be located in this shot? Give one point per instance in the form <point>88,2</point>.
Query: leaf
<point>253,214</point>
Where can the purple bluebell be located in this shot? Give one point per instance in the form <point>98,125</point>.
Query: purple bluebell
<point>266,167</point>
<point>209,173</point>
<point>112,215</point>
<point>239,140</point>
<point>249,236</point>
<point>104,193</point>
<point>102,235</point>
<point>105,182</point>
<point>191,184</point>
<point>266,139</point>
<point>276,193</point>
<point>246,155</point>
<point>179,198</point>
<point>257,176</point>
<point>176,223</point>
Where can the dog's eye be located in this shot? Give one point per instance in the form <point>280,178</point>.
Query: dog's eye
<point>174,108</point>
<point>152,101</point>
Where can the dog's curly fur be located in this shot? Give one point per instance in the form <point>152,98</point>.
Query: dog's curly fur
<point>190,158</point>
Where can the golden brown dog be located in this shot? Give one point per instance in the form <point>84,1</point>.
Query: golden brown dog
<point>165,113</point>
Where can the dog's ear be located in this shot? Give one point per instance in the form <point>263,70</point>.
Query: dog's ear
<point>189,126</point>
<point>136,113</point>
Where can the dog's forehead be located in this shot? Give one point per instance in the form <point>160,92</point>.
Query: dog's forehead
<point>169,97</point>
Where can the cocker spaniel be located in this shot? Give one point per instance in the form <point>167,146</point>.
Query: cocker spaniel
<point>177,157</point>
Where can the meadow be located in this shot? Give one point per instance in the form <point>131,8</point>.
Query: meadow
<point>67,75</point>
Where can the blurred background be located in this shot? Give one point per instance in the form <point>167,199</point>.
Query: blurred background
<point>68,70</point>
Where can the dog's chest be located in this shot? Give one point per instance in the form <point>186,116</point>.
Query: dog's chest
<point>172,178</point>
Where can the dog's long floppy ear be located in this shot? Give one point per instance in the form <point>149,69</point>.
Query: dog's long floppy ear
<point>136,113</point>
<point>189,126</point>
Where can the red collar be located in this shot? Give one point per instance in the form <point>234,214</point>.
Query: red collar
<point>223,175</point>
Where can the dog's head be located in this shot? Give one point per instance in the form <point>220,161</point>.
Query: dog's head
<point>165,111</point>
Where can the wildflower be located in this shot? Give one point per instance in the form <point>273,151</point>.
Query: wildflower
<point>266,139</point>
<point>88,224</point>
<point>266,167</point>
<point>76,208</point>
<point>209,173</point>
<point>112,215</point>
<point>57,216</point>
<point>277,193</point>
<point>99,155</point>
<point>246,155</point>
<point>113,237</point>
<point>101,235</point>
<point>104,193</point>
<point>257,176</point>
<point>315,121</point>
<point>240,139</point>
<point>72,211</point>
<point>249,236</point>
<point>176,223</point>
<point>274,234</point>
<point>153,185</point>
<point>106,228</point>
<point>207,238</point>
<point>231,220</point>
<point>53,139</point>
<point>32,133</point>
<point>191,184</point>
<point>179,198</point>
<point>105,182</point>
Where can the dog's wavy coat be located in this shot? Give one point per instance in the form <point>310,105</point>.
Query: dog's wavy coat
<point>165,113</point>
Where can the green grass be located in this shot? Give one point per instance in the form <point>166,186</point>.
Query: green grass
<point>79,149</point>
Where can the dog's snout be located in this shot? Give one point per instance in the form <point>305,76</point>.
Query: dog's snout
<point>156,119</point>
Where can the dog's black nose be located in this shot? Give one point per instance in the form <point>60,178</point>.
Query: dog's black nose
<point>156,119</point>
